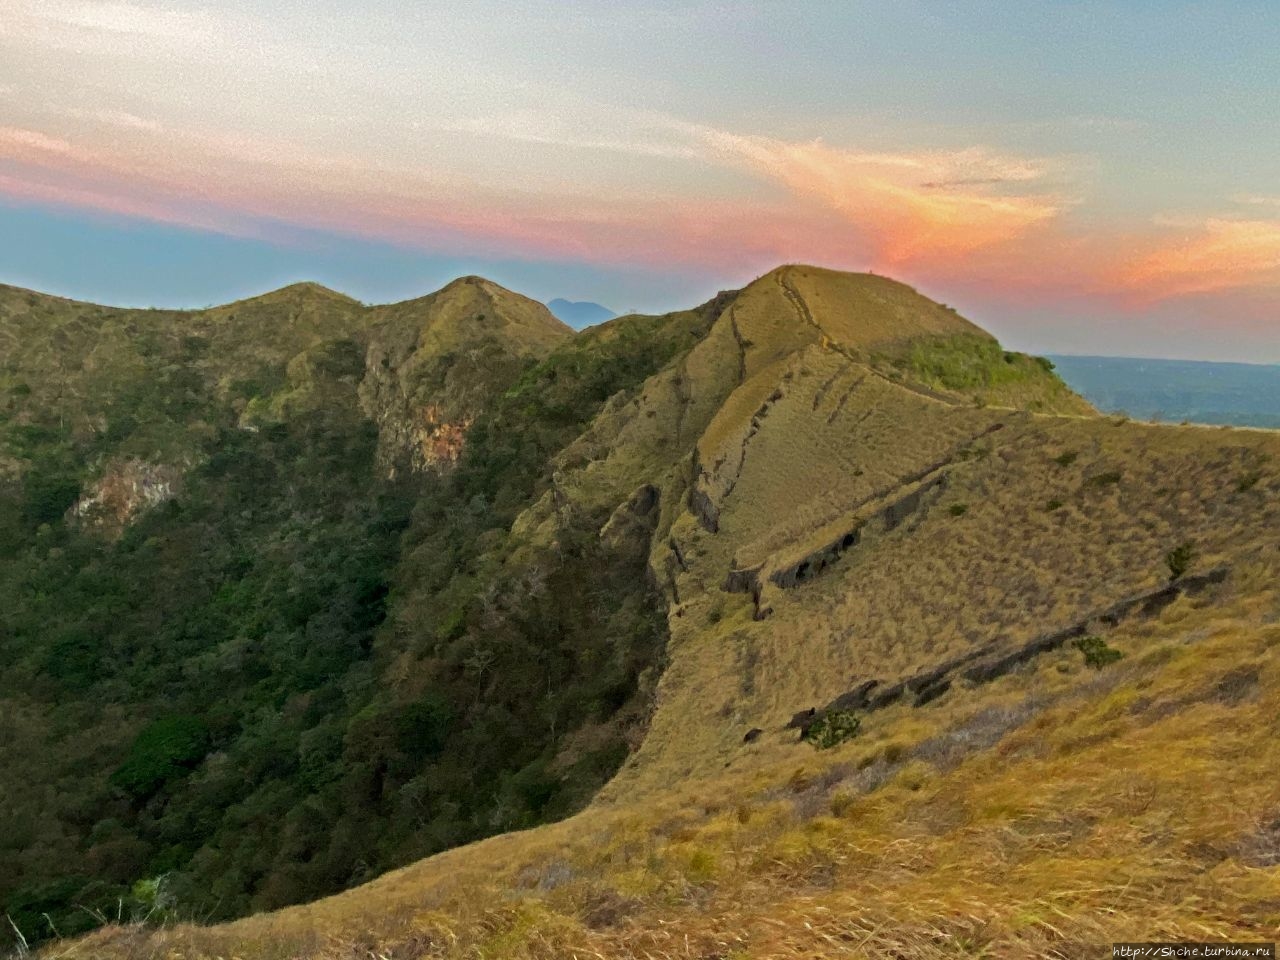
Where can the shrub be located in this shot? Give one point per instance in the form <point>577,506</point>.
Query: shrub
<point>1248,481</point>
<point>843,803</point>
<point>833,729</point>
<point>894,753</point>
<point>958,509</point>
<point>1104,479</point>
<point>700,868</point>
<point>1053,505</point>
<point>1097,653</point>
<point>1178,560</point>
<point>153,897</point>
<point>1066,459</point>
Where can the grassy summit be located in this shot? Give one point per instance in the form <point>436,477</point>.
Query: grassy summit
<point>493,575</point>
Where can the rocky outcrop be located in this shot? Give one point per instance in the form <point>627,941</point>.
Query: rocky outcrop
<point>630,526</point>
<point>995,660</point>
<point>889,516</point>
<point>700,503</point>
<point>125,489</point>
<point>417,429</point>
<point>1145,604</point>
<point>747,579</point>
<point>438,441</point>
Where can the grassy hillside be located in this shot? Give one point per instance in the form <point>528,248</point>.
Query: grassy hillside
<point>878,639</point>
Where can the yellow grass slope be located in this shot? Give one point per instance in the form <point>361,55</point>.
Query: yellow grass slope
<point>845,503</point>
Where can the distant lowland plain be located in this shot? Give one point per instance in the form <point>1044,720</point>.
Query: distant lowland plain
<point>1239,394</point>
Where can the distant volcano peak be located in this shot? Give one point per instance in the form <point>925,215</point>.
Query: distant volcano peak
<point>579,313</point>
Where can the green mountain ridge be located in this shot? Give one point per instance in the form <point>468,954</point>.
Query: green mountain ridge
<point>296,590</point>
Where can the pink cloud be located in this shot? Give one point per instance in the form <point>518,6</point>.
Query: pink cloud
<point>234,187</point>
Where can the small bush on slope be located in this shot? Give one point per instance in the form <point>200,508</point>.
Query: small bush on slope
<point>1097,653</point>
<point>832,729</point>
<point>1178,560</point>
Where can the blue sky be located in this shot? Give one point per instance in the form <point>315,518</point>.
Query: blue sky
<point>1078,177</point>
<point>136,263</point>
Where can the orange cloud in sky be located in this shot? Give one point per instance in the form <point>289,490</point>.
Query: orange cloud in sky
<point>1220,254</point>
<point>912,207</point>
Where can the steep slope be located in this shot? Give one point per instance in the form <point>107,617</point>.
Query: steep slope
<point>202,522</point>
<point>854,508</point>
<point>82,366</point>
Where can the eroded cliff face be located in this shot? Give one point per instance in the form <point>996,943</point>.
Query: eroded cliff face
<point>124,490</point>
<point>440,441</point>
<point>422,423</point>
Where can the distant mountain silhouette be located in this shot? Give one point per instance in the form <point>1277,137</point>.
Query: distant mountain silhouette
<point>581,313</point>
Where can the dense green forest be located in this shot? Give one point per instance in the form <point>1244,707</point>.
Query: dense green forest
<point>308,663</point>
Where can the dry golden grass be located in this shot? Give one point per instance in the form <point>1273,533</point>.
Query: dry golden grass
<point>863,311</point>
<point>940,585</point>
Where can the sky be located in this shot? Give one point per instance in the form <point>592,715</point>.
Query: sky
<point>1077,177</point>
